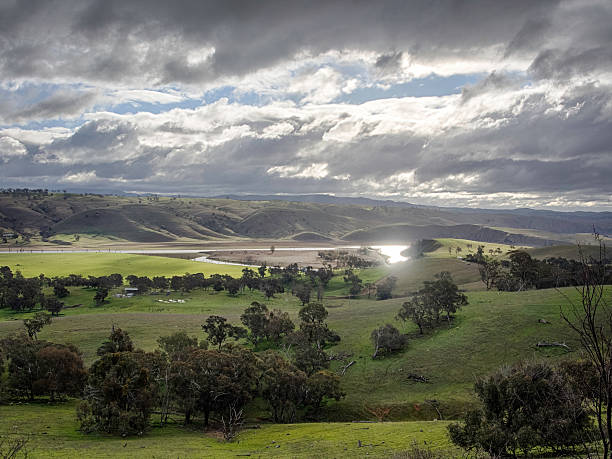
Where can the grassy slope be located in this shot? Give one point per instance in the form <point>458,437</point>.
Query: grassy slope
<point>96,264</point>
<point>54,434</point>
<point>412,274</point>
<point>566,251</point>
<point>495,329</point>
<point>442,252</point>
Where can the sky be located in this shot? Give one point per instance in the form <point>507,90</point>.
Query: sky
<point>496,104</point>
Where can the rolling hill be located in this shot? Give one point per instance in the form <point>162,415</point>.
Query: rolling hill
<point>58,217</point>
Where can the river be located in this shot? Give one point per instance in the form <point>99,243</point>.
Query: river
<point>393,252</point>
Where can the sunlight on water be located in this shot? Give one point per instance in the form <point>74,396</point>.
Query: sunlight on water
<point>394,252</point>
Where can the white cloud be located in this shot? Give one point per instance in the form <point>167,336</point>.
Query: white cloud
<point>320,87</point>
<point>315,171</point>
<point>10,148</point>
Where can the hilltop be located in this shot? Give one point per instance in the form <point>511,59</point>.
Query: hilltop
<point>89,219</point>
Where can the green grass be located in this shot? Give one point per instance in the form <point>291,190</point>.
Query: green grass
<point>97,264</point>
<point>442,252</point>
<point>411,274</point>
<point>54,434</point>
<point>337,286</point>
<point>493,330</point>
<point>571,252</point>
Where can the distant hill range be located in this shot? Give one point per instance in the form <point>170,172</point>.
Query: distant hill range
<point>151,219</point>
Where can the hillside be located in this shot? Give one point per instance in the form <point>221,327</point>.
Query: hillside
<point>71,219</point>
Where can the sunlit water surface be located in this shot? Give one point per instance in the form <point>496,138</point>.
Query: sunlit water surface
<point>393,252</point>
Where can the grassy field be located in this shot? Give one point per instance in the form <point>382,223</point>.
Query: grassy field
<point>412,274</point>
<point>97,264</point>
<point>54,434</point>
<point>567,251</point>
<point>453,244</point>
<point>495,329</point>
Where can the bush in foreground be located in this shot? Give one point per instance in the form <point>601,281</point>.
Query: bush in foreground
<point>525,406</point>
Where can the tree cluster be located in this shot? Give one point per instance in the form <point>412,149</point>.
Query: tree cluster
<point>17,292</point>
<point>437,300</point>
<point>31,368</point>
<point>521,272</point>
<point>345,259</point>
<point>126,386</point>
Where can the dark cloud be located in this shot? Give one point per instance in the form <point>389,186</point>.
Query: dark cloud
<point>539,124</point>
<point>59,104</point>
<point>389,62</point>
<point>102,40</point>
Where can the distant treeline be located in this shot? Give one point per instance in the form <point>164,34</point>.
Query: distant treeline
<point>520,271</point>
<point>24,294</point>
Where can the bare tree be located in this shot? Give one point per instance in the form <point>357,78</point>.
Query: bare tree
<point>231,422</point>
<point>591,320</point>
<point>13,446</point>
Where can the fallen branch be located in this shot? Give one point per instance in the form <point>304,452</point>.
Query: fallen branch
<point>417,378</point>
<point>339,356</point>
<point>346,367</point>
<point>553,344</point>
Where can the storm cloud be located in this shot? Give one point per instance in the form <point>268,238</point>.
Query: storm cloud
<point>344,97</point>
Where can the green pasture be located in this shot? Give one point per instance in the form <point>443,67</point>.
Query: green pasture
<point>97,264</point>
<point>442,252</point>
<point>53,430</point>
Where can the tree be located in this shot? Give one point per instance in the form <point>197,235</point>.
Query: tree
<point>233,286</point>
<point>523,268</point>
<point>320,386</point>
<point>387,339</point>
<point>591,320</point>
<point>60,371</point>
<point>385,288</point>
<point>20,351</point>
<point>269,286</point>
<point>302,291</point>
<point>417,310</point>
<point>249,278</point>
<point>262,270</point>
<point>53,305</point>
<point>161,283</point>
<point>282,386</point>
<point>101,294</point>
<point>60,291</point>
<point>441,295</point>
<point>255,318</point>
<point>42,368</point>
<point>119,396</point>
<point>313,326</point>
<point>213,380</point>
<point>178,344</point>
<point>279,325</point>
<point>489,271</point>
<point>34,325</point>
<point>118,341</point>
<point>354,281</point>
<point>176,283</point>
<point>219,330</point>
<point>526,406</point>
<point>307,357</point>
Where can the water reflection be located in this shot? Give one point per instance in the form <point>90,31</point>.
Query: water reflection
<point>394,252</point>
